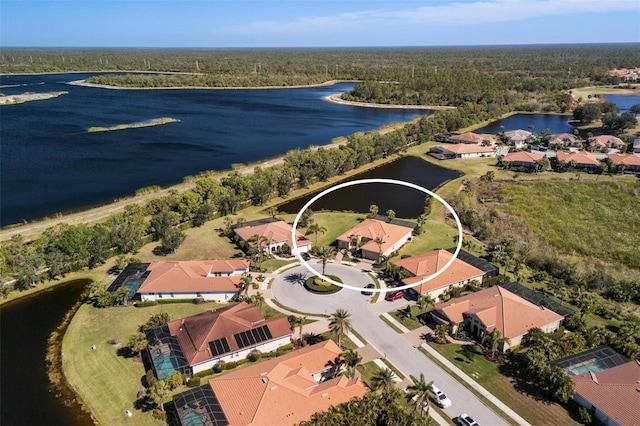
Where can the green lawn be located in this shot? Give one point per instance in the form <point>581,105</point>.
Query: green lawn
<point>367,371</point>
<point>108,383</point>
<point>412,322</point>
<point>336,224</point>
<point>520,397</point>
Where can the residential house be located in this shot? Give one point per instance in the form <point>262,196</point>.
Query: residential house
<point>286,390</point>
<point>207,279</point>
<point>427,264</point>
<point>522,160</point>
<point>275,234</point>
<point>196,343</point>
<point>636,146</point>
<point>613,394</point>
<point>473,138</point>
<point>626,163</point>
<point>462,150</point>
<point>581,160</point>
<point>496,308</point>
<point>375,237</point>
<point>606,142</point>
<point>520,138</point>
<point>564,140</point>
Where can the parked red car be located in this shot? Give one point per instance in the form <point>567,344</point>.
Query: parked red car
<point>394,295</point>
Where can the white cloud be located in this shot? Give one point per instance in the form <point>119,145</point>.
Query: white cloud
<point>452,14</point>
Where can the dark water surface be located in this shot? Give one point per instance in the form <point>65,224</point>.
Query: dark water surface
<point>51,164</point>
<point>25,326</point>
<point>624,102</point>
<point>405,202</point>
<point>555,123</point>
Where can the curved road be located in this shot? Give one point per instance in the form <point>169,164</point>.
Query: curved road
<point>289,291</point>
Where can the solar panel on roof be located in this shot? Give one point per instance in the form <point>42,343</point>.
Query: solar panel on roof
<point>253,336</point>
<point>219,347</point>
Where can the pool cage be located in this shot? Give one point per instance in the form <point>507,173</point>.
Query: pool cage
<point>199,407</point>
<point>165,353</point>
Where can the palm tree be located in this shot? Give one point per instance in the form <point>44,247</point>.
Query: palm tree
<point>257,299</point>
<point>137,343</point>
<point>492,341</point>
<point>441,332</point>
<point>243,285</point>
<point>314,228</point>
<point>379,241</point>
<point>340,324</point>
<point>324,253</point>
<point>382,379</point>
<point>351,359</point>
<point>301,321</point>
<point>335,366</point>
<point>420,392</point>
<point>425,301</point>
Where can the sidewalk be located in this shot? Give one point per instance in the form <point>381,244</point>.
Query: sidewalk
<point>462,376</point>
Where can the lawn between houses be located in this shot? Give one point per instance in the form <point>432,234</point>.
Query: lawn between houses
<point>520,397</point>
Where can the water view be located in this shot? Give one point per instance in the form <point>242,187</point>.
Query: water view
<point>624,102</point>
<point>531,122</point>
<point>405,202</point>
<point>50,163</point>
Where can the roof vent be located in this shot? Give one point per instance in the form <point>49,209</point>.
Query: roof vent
<point>324,395</point>
<point>264,380</point>
<point>274,387</point>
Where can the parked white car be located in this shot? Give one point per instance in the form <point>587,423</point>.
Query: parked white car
<point>443,400</point>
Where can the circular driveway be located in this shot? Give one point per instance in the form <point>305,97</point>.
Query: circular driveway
<point>288,289</point>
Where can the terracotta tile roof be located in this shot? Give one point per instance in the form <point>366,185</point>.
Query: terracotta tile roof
<point>580,157</point>
<point>370,229</point>
<point>193,276</point>
<point>518,135</point>
<point>467,148</point>
<point>628,160</point>
<point>607,141</point>
<point>281,390</point>
<point>498,308</point>
<point>275,232</point>
<point>473,138</point>
<point>429,263</point>
<point>195,332</point>
<point>562,139</point>
<point>615,392</point>
<point>523,157</point>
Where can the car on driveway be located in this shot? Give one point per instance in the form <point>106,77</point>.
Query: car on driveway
<point>305,256</point>
<point>465,420</point>
<point>443,400</point>
<point>366,292</point>
<point>394,295</point>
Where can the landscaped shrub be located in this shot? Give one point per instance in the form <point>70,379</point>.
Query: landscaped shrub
<point>145,303</point>
<point>219,366</point>
<point>194,382</point>
<point>254,355</point>
<point>318,285</point>
<point>230,365</point>
<point>170,301</point>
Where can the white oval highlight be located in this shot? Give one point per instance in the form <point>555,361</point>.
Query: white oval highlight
<point>366,181</point>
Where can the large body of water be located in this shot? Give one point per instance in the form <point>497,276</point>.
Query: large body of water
<point>25,325</point>
<point>404,201</point>
<point>51,164</point>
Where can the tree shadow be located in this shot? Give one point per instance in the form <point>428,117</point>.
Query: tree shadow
<point>144,404</point>
<point>296,278</point>
<point>313,338</point>
<point>125,352</point>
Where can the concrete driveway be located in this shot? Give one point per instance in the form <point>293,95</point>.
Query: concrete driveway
<point>288,290</point>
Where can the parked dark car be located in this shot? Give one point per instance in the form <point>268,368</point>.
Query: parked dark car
<point>305,256</point>
<point>368,293</point>
<point>394,295</point>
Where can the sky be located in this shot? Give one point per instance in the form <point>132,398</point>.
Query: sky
<point>314,23</point>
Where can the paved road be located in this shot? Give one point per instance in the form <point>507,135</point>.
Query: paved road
<point>288,290</point>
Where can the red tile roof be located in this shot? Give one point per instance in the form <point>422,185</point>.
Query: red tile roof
<point>275,232</point>
<point>627,160</point>
<point>193,276</point>
<point>462,148</point>
<point>282,391</point>
<point>473,138</point>
<point>615,392</point>
<point>429,263</point>
<point>498,308</point>
<point>581,157</point>
<point>370,229</point>
<point>195,332</point>
<point>604,141</point>
<point>562,139</point>
<point>523,157</point>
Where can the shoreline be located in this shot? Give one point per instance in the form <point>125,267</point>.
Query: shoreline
<point>336,98</point>
<point>107,71</point>
<point>84,83</point>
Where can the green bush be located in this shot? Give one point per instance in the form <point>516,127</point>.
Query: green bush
<point>254,355</point>
<point>230,365</point>
<point>194,382</point>
<point>219,366</point>
<point>170,301</point>
<point>145,303</point>
<point>317,285</point>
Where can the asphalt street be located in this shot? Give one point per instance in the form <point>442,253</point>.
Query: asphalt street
<point>288,290</point>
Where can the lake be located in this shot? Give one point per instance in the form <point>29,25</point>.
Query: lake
<point>555,123</point>
<point>405,202</point>
<point>51,164</point>
<point>26,397</point>
<point>624,102</point>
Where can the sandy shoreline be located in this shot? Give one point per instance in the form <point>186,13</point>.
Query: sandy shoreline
<point>337,99</point>
<point>105,86</point>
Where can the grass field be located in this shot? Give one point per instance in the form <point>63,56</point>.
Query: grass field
<point>108,383</point>
<point>520,397</point>
<point>595,219</point>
